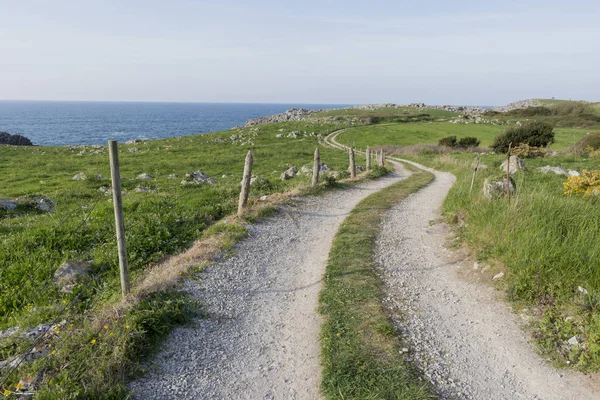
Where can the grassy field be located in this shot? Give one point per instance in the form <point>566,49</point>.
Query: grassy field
<point>387,111</point>
<point>94,361</point>
<point>431,133</point>
<point>360,351</point>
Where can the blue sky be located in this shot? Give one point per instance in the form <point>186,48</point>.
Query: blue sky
<point>437,52</point>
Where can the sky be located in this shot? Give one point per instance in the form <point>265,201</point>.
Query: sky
<point>313,51</point>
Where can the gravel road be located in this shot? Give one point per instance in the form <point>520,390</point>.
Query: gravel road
<point>459,331</point>
<point>260,340</point>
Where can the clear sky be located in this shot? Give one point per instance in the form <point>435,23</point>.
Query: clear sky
<point>437,51</point>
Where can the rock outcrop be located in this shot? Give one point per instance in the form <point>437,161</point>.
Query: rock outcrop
<point>515,165</point>
<point>294,114</point>
<point>14,140</point>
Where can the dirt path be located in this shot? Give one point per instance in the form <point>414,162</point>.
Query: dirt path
<point>460,333</point>
<point>260,340</point>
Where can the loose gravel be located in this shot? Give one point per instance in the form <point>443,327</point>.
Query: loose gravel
<point>460,333</point>
<point>261,337</point>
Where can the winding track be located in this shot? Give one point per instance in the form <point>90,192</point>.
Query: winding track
<point>461,334</point>
<point>260,340</point>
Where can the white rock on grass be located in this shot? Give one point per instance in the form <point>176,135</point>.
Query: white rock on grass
<point>548,168</point>
<point>79,177</point>
<point>498,276</point>
<point>145,176</point>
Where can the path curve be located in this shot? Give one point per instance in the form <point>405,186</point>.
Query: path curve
<point>460,333</point>
<point>260,340</point>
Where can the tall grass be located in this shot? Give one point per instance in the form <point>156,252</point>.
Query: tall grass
<point>548,244</point>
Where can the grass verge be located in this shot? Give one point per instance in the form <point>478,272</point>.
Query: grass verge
<point>360,351</point>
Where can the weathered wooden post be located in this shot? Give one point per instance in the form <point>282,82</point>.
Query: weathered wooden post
<point>508,173</point>
<point>474,173</point>
<point>352,164</point>
<point>316,167</point>
<point>115,174</point>
<point>368,156</point>
<point>245,184</point>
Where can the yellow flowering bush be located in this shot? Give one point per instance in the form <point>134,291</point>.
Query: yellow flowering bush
<point>587,184</point>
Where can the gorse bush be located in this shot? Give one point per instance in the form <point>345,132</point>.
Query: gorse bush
<point>537,134</point>
<point>449,141</point>
<point>587,184</point>
<point>465,142</point>
<point>468,141</point>
<point>526,151</point>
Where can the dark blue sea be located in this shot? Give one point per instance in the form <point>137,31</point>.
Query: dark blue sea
<point>62,123</point>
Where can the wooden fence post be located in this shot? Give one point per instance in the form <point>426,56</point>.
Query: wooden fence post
<point>316,167</point>
<point>368,156</point>
<point>245,184</point>
<point>352,164</point>
<point>474,173</point>
<point>508,173</point>
<point>113,152</point>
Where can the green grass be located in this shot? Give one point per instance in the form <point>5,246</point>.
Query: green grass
<point>430,133</point>
<point>157,224</point>
<point>360,351</point>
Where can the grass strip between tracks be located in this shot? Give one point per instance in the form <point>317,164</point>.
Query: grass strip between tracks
<point>360,349</point>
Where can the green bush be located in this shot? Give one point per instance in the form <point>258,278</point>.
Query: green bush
<point>589,142</point>
<point>468,141</point>
<point>538,134</point>
<point>449,141</point>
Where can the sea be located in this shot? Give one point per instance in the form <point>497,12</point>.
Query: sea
<point>54,123</point>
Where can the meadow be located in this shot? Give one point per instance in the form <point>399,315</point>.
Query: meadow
<point>164,218</point>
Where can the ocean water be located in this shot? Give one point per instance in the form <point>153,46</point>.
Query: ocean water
<point>63,123</point>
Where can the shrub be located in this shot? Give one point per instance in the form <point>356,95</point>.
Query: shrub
<point>586,144</point>
<point>537,134</point>
<point>529,112</point>
<point>572,108</point>
<point>449,141</point>
<point>586,185</point>
<point>468,141</point>
<point>526,151</point>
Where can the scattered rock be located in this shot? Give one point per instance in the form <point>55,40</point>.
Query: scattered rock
<point>582,290</point>
<point>476,266</point>
<point>8,204</point>
<point>289,174</point>
<point>306,170</point>
<point>293,135</point>
<point>105,190</point>
<point>133,141</point>
<point>360,168</point>
<point>496,188</point>
<point>79,177</point>
<point>141,189</point>
<point>515,165</point>
<point>573,173</point>
<point>144,176</point>
<point>133,150</point>
<point>324,168</point>
<point>548,168</point>
<point>279,135</point>
<point>69,273</point>
<point>196,178</point>
<point>573,341</point>
<point>264,198</point>
<point>172,176</point>
<point>498,276</point>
